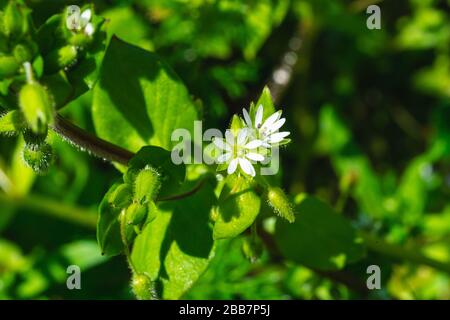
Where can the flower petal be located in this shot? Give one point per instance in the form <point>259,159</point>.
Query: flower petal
<point>253,144</point>
<point>247,167</point>
<point>89,29</point>
<point>254,156</point>
<point>247,118</point>
<point>232,166</point>
<point>223,158</point>
<point>271,120</point>
<point>221,144</point>
<point>242,136</point>
<point>277,125</point>
<point>229,137</point>
<point>265,144</point>
<point>277,137</point>
<point>85,17</point>
<point>259,116</point>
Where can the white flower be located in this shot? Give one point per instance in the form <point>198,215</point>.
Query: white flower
<point>81,22</point>
<point>238,151</point>
<point>267,132</point>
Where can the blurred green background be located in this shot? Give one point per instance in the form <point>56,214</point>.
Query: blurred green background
<point>369,115</point>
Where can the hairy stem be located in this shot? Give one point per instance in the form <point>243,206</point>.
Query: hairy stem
<point>104,149</point>
<point>89,142</point>
<point>184,194</point>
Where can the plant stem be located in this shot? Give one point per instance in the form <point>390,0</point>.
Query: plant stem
<point>184,194</point>
<point>89,142</point>
<point>37,204</point>
<point>104,149</point>
<point>402,253</point>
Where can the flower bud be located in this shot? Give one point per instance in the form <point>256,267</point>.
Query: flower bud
<point>143,288</point>
<point>22,53</point>
<point>8,66</point>
<point>60,58</point>
<point>236,125</point>
<point>136,214</point>
<point>146,185</point>
<point>121,197</point>
<point>36,106</point>
<point>38,159</point>
<point>280,203</point>
<point>80,40</point>
<point>14,20</point>
<point>34,140</point>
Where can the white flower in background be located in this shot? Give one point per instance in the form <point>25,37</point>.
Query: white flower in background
<point>238,151</point>
<point>81,22</point>
<point>267,132</point>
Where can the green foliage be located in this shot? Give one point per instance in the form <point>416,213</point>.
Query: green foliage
<point>108,226</point>
<point>319,238</point>
<point>174,249</point>
<point>139,100</point>
<point>238,208</point>
<point>368,116</point>
<point>11,122</point>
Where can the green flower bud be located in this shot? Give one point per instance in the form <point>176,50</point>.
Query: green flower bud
<point>80,40</point>
<point>60,58</point>
<point>36,106</point>
<point>136,214</point>
<point>143,288</point>
<point>121,197</point>
<point>9,66</point>
<point>22,53</point>
<point>14,21</point>
<point>236,125</point>
<point>146,185</point>
<point>38,159</point>
<point>280,203</point>
<point>34,140</point>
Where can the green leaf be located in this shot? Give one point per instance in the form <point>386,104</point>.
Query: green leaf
<point>319,238</point>
<point>174,249</point>
<point>172,175</point>
<point>139,100</point>
<point>86,73</point>
<point>108,225</point>
<point>267,102</point>
<point>11,122</point>
<point>238,208</point>
<point>82,74</point>
<point>60,89</point>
